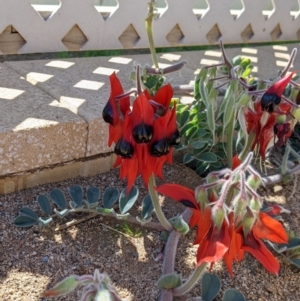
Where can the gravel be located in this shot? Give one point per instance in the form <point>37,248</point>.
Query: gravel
<point>33,260</point>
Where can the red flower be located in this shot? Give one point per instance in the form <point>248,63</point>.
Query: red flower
<point>261,124</point>
<point>228,242</point>
<point>110,112</point>
<point>143,136</point>
<point>283,131</point>
<point>272,97</point>
<point>264,228</point>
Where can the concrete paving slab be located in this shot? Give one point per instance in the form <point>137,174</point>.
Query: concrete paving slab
<point>35,129</point>
<point>82,86</point>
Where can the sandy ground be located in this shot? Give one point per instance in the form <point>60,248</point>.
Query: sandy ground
<point>34,259</point>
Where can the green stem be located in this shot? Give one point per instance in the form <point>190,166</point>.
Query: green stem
<point>247,147</point>
<point>148,22</point>
<point>191,282</point>
<point>230,130</point>
<point>159,213</point>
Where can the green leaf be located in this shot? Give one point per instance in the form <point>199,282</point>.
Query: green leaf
<point>187,158</point>
<point>181,107</point>
<point>179,224</point>
<point>58,198</point>
<point>184,118</point>
<point>201,169</point>
<point>76,194</point>
<point>210,286</point>
<point>233,295</point>
<point>44,203</point>
<point>203,92</point>
<point>169,281</point>
<point>127,200</point>
<point>211,118</point>
<point>247,71</point>
<point>93,194</point>
<point>198,144</point>
<point>45,222</point>
<point>208,157</point>
<point>104,211</point>
<point>147,206</point>
<point>295,261</point>
<point>110,196</point>
<point>64,287</point>
<point>296,114</point>
<point>292,244</point>
<point>24,221</point>
<point>26,211</point>
<point>62,213</point>
<point>230,99</point>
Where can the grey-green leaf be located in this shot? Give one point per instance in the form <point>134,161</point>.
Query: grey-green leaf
<point>29,213</point>
<point>147,206</point>
<point>188,158</point>
<point>44,203</point>
<point>24,221</point>
<point>198,144</point>
<point>295,261</point>
<point>93,194</point>
<point>127,200</point>
<point>210,286</point>
<point>208,157</point>
<point>233,295</point>
<point>169,281</point>
<point>110,196</point>
<point>58,198</point>
<point>76,193</point>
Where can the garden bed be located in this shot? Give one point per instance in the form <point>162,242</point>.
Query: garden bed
<point>32,260</point>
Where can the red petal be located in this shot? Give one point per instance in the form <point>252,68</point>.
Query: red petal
<point>214,246</point>
<point>177,192</point>
<point>258,250</point>
<point>164,95</point>
<point>142,111</point>
<point>236,162</point>
<point>204,224</point>
<point>279,86</point>
<point>267,227</point>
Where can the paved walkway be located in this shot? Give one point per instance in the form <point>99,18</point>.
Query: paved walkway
<point>50,110</point>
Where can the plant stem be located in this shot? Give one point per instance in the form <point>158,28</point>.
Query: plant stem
<point>190,283</point>
<point>148,22</point>
<point>247,147</point>
<point>170,256</point>
<point>159,213</point>
<point>230,130</point>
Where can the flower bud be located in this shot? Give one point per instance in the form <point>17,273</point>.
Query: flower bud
<point>201,197</point>
<point>255,205</point>
<point>239,207</point>
<point>254,181</point>
<point>218,215</point>
<point>248,221</point>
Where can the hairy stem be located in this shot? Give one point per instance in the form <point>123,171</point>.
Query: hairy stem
<point>149,29</point>
<point>170,255</point>
<point>159,213</point>
<point>230,130</point>
<point>191,282</point>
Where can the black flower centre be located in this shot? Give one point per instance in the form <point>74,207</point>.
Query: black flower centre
<point>269,101</point>
<point>142,133</point>
<point>107,114</point>
<point>174,140</point>
<point>160,148</point>
<point>124,149</point>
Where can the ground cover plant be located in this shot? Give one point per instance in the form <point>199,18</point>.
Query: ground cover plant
<point>220,135</point>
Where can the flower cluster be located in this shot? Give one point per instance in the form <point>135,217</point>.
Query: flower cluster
<point>227,211</point>
<point>263,120</point>
<point>144,134</point>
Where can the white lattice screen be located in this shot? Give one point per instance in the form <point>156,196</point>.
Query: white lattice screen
<point>94,25</point>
